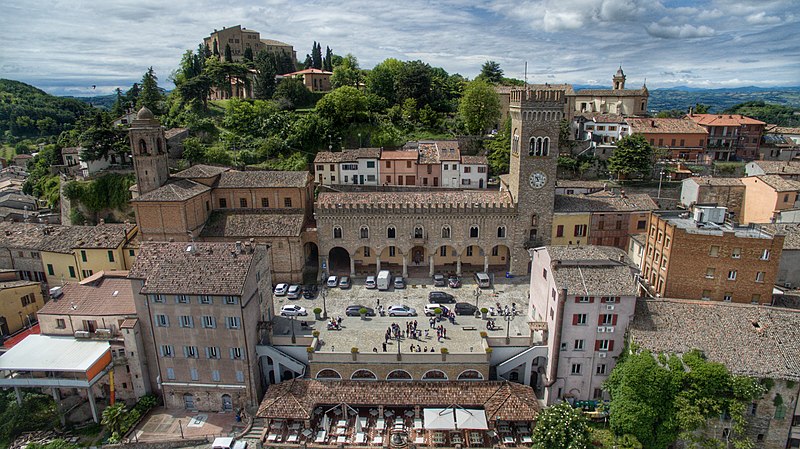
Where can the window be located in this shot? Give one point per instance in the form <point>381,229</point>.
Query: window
<point>445,232</point>
<point>765,254</point>
<point>666,243</point>
<point>72,272</point>
<point>193,374</point>
<point>736,253</point>
<point>601,368</point>
<point>607,319</point>
<point>132,253</point>
<point>580,230</point>
<point>239,376</point>
<point>544,273</point>
<point>264,202</point>
<point>366,251</point>
<point>641,224</point>
<point>392,251</point>
<point>87,273</point>
<point>706,295</point>
<point>233,322</point>
<point>672,143</point>
<point>236,353</point>
<point>473,232</point>
<point>481,169</point>
<point>732,275</point>
<point>560,231</point>
<point>162,320</point>
<point>604,345</point>
<point>50,270</point>
<point>242,202</point>
<point>230,300</point>
<point>287,202</point>
<point>727,297</point>
<point>391,232</point>
<point>320,167</point>
<point>223,203</point>
<point>337,232</point>
<point>501,232</point>
<point>760,276</point>
<point>204,299</point>
<point>584,299</point>
<point>60,323</point>
<point>388,164</point>
<point>579,319</point>
<point>578,346</point>
<point>496,251</point>
<point>469,251</point>
<point>576,369</point>
<point>182,299</point>
<point>209,322</point>
<point>83,255</point>
<point>364,232</point>
<point>714,251</point>
<point>443,251</point>
<point>215,375</point>
<point>467,169</point>
<point>370,164</point>
<point>186,321</point>
<point>170,373</point>
<point>418,232</point>
<point>212,352</point>
<point>408,164</point>
<point>167,351</point>
<point>710,273</point>
<point>190,352</point>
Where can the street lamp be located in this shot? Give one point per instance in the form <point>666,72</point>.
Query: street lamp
<point>660,177</point>
<point>509,317</point>
<point>398,345</point>
<point>477,295</point>
<point>324,293</point>
<point>292,320</point>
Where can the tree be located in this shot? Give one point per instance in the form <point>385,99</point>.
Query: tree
<point>316,56</point>
<point>307,63</point>
<point>327,61</point>
<point>292,92</point>
<point>102,139</point>
<point>381,79</point>
<point>248,54</point>
<point>347,73</point>
<point>500,150</point>
<point>479,108</point>
<point>491,72</point>
<point>561,426</point>
<point>414,80</point>
<point>633,156</point>
<point>228,53</point>
<point>119,104</point>
<point>344,106</point>
<point>265,77</point>
<point>150,96</point>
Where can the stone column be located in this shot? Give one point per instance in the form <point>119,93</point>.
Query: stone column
<point>276,370</point>
<point>528,368</point>
<point>458,265</point>
<point>485,263</point>
<point>377,264</point>
<point>405,265</point>
<point>352,266</point>
<point>431,263</point>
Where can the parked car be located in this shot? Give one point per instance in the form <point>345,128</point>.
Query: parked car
<point>280,289</point>
<point>465,308</point>
<point>310,291</point>
<point>355,310</point>
<point>440,298</point>
<point>344,282</point>
<point>401,310</point>
<point>430,309</point>
<point>370,282</point>
<point>294,291</point>
<point>399,282</point>
<point>333,281</point>
<point>293,310</point>
<point>439,280</point>
<point>454,282</point>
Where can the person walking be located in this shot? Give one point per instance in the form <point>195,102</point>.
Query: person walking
<point>384,347</point>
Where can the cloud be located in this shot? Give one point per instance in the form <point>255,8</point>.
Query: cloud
<point>762,18</point>
<point>685,31</point>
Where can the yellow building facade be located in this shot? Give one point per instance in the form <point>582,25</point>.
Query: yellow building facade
<point>19,302</point>
<point>571,228</point>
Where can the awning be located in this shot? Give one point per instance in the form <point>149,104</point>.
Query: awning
<point>452,418</point>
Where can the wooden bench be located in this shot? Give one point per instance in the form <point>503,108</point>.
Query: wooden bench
<point>469,328</point>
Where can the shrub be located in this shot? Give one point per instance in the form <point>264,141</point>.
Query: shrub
<point>317,310</point>
<point>354,350</point>
<point>444,350</point>
<point>484,310</point>
<point>309,349</point>
<point>362,311</point>
<point>484,334</point>
<point>315,333</point>
<point>489,350</point>
<point>437,311</point>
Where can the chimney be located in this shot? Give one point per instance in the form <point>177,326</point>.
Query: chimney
<point>102,221</point>
<point>652,123</point>
<point>238,246</point>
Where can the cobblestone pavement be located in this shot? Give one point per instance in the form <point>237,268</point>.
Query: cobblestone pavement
<point>463,336</point>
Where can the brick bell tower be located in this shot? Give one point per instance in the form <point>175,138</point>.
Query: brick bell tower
<point>149,150</point>
<point>536,114</point>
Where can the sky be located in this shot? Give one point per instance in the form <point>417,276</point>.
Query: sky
<point>66,47</point>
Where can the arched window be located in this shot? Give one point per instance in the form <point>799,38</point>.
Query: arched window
<point>473,232</point>
<point>391,232</point>
<point>501,232</point>
<point>470,374</point>
<point>545,147</point>
<point>534,220</point>
<point>328,373</point>
<point>160,146</point>
<point>418,232</point>
<point>337,232</point>
<point>142,146</point>
<point>532,146</point>
<point>399,374</point>
<point>434,374</point>
<point>364,374</point>
<point>364,232</point>
<point>445,232</point>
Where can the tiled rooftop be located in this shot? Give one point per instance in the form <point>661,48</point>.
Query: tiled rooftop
<point>779,183</point>
<point>176,268</point>
<point>174,190</point>
<point>790,231</point>
<point>172,132</point>
<point>779,167</point>
<point>445,197</point>
<point>507,89</point>
<point>782,130</point>
<point>62,239</point>
<point>610,92</point>
<point>714,182</point>
<point>723,119</point>
<point>400,155</point>
<point>200,171</point>
<point>109,295</point>
<point>296,399</point>
<point>428,153</point>
<point>602,117</point>
<point>107,235</point>
<point>262,178</point>
<point>448,150</point>
<point>600,280</point>
<point>580,184</point>
<point>254,223</point>
<point>665,125</point>
<point>604,202</point>
<point>758,341</point>
<point>474,160</point>
<point>588,253</point>
<point>352,155</point>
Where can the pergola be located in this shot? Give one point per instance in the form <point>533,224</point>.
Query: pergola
<point>41,361</point>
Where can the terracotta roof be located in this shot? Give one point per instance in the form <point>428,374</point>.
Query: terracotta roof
<point>639,238</point>
<point>128,323</point>
<point>428,153</point>
<point>579,184</point>
<point>604,202</point>
<point>665,125</point>
<point>347,155</point>
<point>200,171</point>
<point>262,178</point>
<point>779,183</point>
<point>783,130</point>
<point>254,223</point>
<point>108,235</point>
<point>444,197</point>
<point>308,72</point>
<point>791,232</point>
<point>589,253</point>
<point>208,269</point>
<point>400,155</point>
<point>272,41</point>
<point>474,160</point>
<point>723,119</point>
<point>709,181</point>
<point>779,167</point>
<point>611,93</point>
<point>502,401</point>
<point>62,239</point>
<point>71,150</point>
<point>109,295</point>
<point>750,340</point>
<point>174,190</point>
<point>448,150</point>
<point>602,117</point>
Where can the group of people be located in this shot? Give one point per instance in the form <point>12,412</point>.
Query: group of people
<point>503,311</point>
<point>335,323</point>
<point>396,332</point>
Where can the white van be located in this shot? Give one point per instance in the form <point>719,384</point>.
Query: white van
<point>384,279</point>
<point>482,279</point>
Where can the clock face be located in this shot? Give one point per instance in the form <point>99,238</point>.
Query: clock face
<point>538,180</point>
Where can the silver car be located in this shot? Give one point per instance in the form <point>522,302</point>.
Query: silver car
<point>401,310</point>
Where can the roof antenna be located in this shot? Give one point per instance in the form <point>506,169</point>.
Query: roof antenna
<point>525,74</point>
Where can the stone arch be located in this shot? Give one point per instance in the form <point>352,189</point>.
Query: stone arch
<point>365,259</point>
<point>445,258</point>
<point>399,374</point>
<point>142,146</point>
<point>434,374</point>
<point>363,374</point>
<point>470,374</point>
<point>328,373</point>
<point>500,258</point>
<point>339,260</point>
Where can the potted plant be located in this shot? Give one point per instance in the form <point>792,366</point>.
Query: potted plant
<point>438,312</point>
<point>354,353</point>
<point>317,312</point>
<point>484,312</point>
<point>444,354</point>
<point>363,312</point>
<point>484,334</point>
<point>315,334</point>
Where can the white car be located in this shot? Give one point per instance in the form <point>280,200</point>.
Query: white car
<point>333,281</point>
<point>293,310</point>
<point>370,282</point>
<point>401,310</point>
<point>430,309</point>
<point>280,289</point>
<point>294,291</point>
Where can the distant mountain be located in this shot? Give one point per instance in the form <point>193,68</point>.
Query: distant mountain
<point>683,97</point>
<point>99,101</point>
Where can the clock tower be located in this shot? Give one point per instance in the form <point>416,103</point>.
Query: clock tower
<point>536,114</point>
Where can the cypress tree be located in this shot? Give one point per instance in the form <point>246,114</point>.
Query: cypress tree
<point>228,53</point>
<point>316,55</point>
<point>248,54</point>
<point>150,96</point>
<point>307,63</point>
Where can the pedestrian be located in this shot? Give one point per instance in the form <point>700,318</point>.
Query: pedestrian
<point>426,349</point>
<point>379,301</point>
<point>444,332</point>
<point>426,334</point>
<point>412,348</point>
<point>374,349</point>
<point>384,347</point>
<point>419,349</point>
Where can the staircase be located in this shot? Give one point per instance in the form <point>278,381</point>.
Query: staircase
<point>256,430</point>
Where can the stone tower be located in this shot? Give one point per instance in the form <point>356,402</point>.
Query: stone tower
<point>619,79</point>
<point>536,114</point>
<point>149,150</point>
